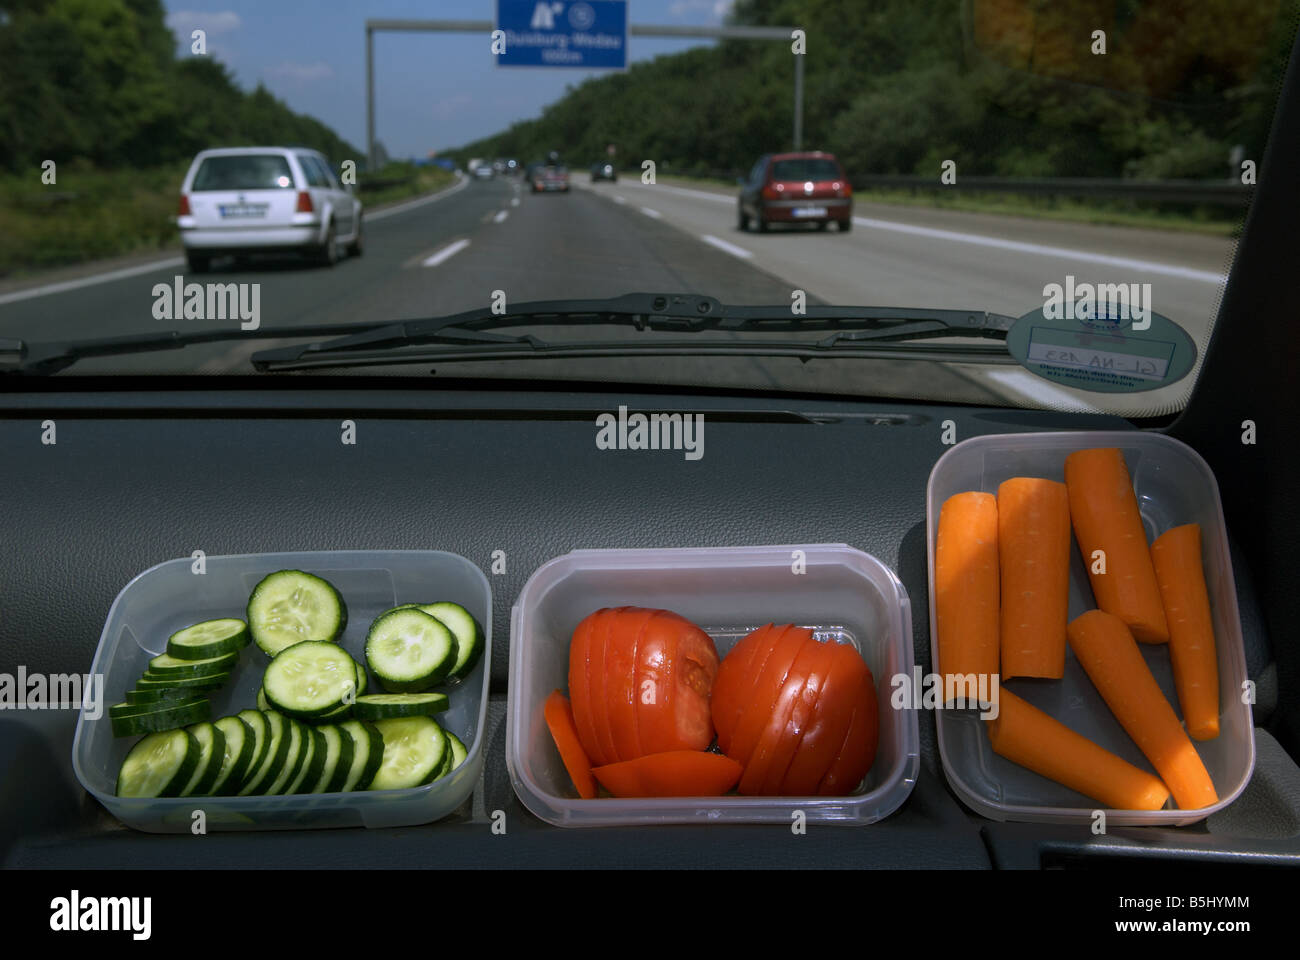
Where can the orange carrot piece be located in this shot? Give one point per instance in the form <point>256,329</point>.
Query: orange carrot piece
<point>1176,555</point>
<point>1031,738</point>
<point>675,773</point>
<point>1110,656</point>
<point>966,587</point>
<point>1034,570</point>
<point>559,719</point>
<point>1104,511</point>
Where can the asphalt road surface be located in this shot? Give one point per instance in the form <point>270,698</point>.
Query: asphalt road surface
<point>451,252</point>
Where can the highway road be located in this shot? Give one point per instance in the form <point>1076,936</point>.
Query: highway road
<point>450,252</point>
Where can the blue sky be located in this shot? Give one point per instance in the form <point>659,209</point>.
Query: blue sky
<point>433,91</point>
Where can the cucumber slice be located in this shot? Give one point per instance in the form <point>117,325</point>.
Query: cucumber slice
<point>362,682</point>
<point>294,758</point>
<point>237,755</point>
<point>385,706</point>
<point>469,635</point>
<point>409,651</point>
<point>310,679</point>
<point>152,681</point>
<point>415,749</point>
<point>211,638</point>
<point>136,709</point>
<point>458,751</point>
<point>273,761</point>
<point>290,606</point>
<point>165,665</point>
<point>159,694</point>
<point>165,716</point>
<point>159,765</point>
<point>444,768</point>
<point>309,773</point>
<point>212,749</point>
<point>255,720</point>
<point>367,754</point>
<point>337,747</point>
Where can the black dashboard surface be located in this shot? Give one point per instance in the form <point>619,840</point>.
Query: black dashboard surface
<point>137,479</point>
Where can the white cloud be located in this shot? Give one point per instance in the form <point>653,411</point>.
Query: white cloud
<point>184,21</point>
<point>302,72</point>
<point>686,8</point>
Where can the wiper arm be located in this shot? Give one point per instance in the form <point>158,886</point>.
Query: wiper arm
<point>18,356</point>
<point>469,336</point>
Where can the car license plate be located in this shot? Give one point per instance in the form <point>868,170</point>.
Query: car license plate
<point>233,210</point>
<point>810,211</point>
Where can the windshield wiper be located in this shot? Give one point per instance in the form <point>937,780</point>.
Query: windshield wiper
<point>860,332</point>
<point>18,356</point>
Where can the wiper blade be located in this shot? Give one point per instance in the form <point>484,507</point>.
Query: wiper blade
<point>869,332</point>
<point>18,356</point>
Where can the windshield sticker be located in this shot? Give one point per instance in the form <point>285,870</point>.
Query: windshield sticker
<point>1102,346</point>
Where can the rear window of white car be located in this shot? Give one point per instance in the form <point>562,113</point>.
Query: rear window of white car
<point>253,171</point>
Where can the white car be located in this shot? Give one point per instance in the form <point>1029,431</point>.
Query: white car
<point>242,200</point>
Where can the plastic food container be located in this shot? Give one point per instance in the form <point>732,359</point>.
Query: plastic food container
<point>1174,486</point>
<point>170,596</point>
<point>844,595</point>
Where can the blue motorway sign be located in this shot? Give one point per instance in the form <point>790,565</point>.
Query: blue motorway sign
<point>590,34</point>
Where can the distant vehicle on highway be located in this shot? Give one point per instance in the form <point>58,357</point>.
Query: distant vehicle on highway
<point>244,200</point>
<point>550,178</point>
<point>603,171</point>
<point>484,171</point>
<point>796,188</point>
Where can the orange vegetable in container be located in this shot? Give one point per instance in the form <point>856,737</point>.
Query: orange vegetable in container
<point>640,681</point>
<point>1106,518</point>
<point>1181,576</point>
<point>1034,570</point>
<point>966,591</point>
<point>800,715</point>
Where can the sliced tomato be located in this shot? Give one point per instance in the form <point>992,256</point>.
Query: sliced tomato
<point>786,731</point>
<point>606,634</point>
<point>824,737</point>
<point>580,682</point>
<point>676,773</point>
<point>559,720</point>
<point>674,686</point>
<point>858,751</point>
<point>733,673</point>
<point>761,700</point>
<point>621,679</point>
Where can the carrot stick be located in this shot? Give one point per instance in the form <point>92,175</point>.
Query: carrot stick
<point>1104,510</point>
<point>1034,568</point>
<point>1176,555</point>
<point>966,587</point>
<point>559,719</point>
<point>1026,735</point>
<point>1111,658</point>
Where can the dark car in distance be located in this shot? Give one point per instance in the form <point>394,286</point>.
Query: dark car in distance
<point>809,187</point>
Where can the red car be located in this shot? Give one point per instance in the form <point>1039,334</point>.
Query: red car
<point>796,188</point>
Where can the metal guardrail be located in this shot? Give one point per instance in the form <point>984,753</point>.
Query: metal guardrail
<point>1192,193</point>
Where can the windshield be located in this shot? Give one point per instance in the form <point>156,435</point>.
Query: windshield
<point>805,169</point>
<point>244,172</point>
<point>1085,167</point>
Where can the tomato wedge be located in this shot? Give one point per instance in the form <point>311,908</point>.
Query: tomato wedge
<point>559,719</point>
<point>675,685</point>
<point>580,683</point>
<point>769,679</point>
<point>859,749</point>
<point>794,715</point>
<point>676,773</point>
<point>825,734</point>
<point>735,680</point>
<point>621,697</point>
